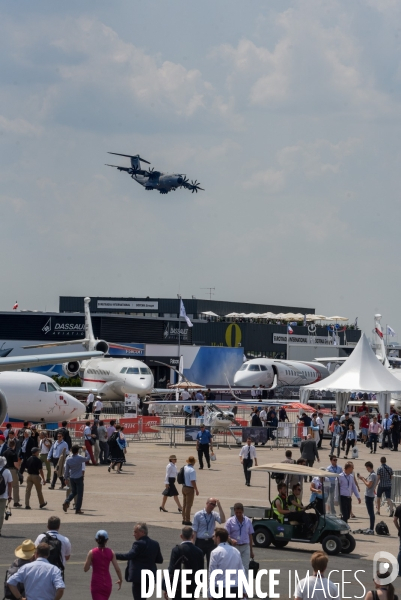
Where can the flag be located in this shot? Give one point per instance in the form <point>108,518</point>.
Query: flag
<point>379,332</point>
<point>390,331</point>
<point>304,320</point>
<point>15,305</point>
<point>356,323</point>
<point>290,329</point>
<point>184,314</point>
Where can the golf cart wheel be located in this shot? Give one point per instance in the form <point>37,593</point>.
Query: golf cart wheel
<point>332,545</point>
<point>262,537</point>
<point>280,543</point>
<point>348,544</point>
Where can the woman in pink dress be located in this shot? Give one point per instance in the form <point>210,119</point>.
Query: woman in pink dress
<point>100,558</point>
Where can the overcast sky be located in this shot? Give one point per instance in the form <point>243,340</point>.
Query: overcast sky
<point>288,113</point>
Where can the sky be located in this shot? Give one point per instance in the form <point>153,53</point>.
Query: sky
<point>288,113</point>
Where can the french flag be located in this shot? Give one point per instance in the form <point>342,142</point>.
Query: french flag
<point>15,305</point>
<point>290,329</point>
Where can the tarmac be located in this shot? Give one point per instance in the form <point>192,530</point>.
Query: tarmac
<point>116,502</point>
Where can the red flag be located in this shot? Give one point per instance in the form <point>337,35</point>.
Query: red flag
<point>15,305</point>
<point>379,333</point>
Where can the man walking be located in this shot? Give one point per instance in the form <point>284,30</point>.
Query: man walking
<point>224,558</point>
<point>60,543</point>
<point>247,455</point>
<point>26,449</point>
<point>320,422</point>
<point>240,530</point>
<point>309,451</point>
<point>386,436</point>
<point>56,453</point>
<point>89,405</point>
<point>40,579</point>
<point>12,465</point>
<point>104,447</point>
<point>73,475</point>
<point>35,472</point>
<point>333,467</point>
<point>189,489</point>
<point>346,487</point>
<point>203,441</point>
<point>370,482</point>
<point>97,407</point>
<point>185,556</point>
<point>204,524</point>
<point>384,477</point>
<point>6,493</point>
<point>144,554</point>
<point>88,437</point>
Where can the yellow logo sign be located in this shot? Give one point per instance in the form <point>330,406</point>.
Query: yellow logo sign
<point>233,335</point>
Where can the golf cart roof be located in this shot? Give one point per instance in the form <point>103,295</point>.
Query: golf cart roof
<point>290,469</point>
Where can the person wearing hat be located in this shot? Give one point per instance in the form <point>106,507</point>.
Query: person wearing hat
<point>99,559</point>
<point>170,491</point>
<point>25,553</point>
<point>189,489</point>
<point>35,472</point>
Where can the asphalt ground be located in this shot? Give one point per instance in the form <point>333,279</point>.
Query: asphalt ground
<point>82,536</point>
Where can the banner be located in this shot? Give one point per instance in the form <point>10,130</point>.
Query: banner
<point>131,425</point>
<point>316,340</point>
<point>131,304</point>
<point>131,405</point>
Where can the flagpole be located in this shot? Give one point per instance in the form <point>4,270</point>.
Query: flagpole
<point>179,327</point>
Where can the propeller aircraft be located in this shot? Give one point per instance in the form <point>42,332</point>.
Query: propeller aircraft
<point>156,180</point>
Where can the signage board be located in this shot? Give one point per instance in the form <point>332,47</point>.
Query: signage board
<point>128,304</point>
<point>134,350</point>
<point>64,326</point>
<point>131,402</point>
<point>171,331</point>
<point>315,340</point>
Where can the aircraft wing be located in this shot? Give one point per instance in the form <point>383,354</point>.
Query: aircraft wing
<point>219,402</point>
<point>54,344</point>
<point>83,391</point>
<point>21,362</point>
<point>331,359</point>
<point>129,169</point>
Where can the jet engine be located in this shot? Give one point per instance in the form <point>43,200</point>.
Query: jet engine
<point>3,407</point>
<point>71,369</point>
<point>101,346</point>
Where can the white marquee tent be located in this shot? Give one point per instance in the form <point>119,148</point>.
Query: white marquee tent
<point>361,372</point>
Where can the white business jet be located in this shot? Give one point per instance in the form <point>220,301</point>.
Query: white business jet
<point>34,397</point>
<point>110,378</point>
<point>263,371</point>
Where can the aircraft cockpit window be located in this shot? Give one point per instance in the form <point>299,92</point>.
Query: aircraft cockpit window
<point>145,371</point>
<point>263,368</point>
<point>123,370</point>
<point>51,388</point>
<point>244,367</point>
<point>42,387</point>
<point>254,368</point>
<point>133,371</point>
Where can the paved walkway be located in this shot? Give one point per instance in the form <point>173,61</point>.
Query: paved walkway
<point>135,495</point>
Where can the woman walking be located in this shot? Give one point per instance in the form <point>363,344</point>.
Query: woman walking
<point>170,490</point>
<point>100,558</point>
<point>118,449</point>
<point>350,438</point>
<point>44,447</point>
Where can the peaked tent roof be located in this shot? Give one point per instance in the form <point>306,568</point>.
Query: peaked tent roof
<point>361,372</point>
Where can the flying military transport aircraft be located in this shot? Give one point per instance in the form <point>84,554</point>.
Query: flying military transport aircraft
<point>156,180</point>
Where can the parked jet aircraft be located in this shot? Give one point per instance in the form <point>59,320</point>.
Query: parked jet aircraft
<point>261,371</point>
<point>108,377</point>
<point>156,180</point>
<point>36,397</point>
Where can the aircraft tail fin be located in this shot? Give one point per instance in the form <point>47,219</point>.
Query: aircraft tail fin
<point>88,326</point>
<point>135,160</point>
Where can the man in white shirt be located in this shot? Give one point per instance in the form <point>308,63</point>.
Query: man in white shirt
<point>189,489</point>
<point>53,526</point>
<point>89,405</point>
<point>247,455</point>
<point>224,558</point>
<point>185,395</point>
<point>98,407</point>
<point>263,416</point>
<point>317,586</point>
<point>6,496</point>
<point>320,422</point>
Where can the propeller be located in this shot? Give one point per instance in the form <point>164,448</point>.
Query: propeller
<point>195,186</point>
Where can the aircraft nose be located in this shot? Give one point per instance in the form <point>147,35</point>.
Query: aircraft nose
<point>179,180</point>
<point>74,406</point>
<point>244,378</point>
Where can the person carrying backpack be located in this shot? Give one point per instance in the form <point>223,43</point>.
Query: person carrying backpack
<point>25,554</point>
<point>60,546</point>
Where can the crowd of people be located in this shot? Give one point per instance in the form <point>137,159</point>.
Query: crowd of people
<point>43,457</point>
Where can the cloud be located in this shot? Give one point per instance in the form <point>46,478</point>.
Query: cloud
<point>18,126</point>
<point>270,179</point>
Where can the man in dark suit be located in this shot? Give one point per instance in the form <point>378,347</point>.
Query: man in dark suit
<point>309,451</point>
<point>28,443</point>
<point>185,556</point>
<point>144,554</point>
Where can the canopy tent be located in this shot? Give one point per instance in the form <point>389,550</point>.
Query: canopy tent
<point>185,385</point>
<point>232,315</point>
<point>290,469</point>
<point>361,372</point>
<point>315,318</point>
<point>209,313</point>
<point>337,319</point>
